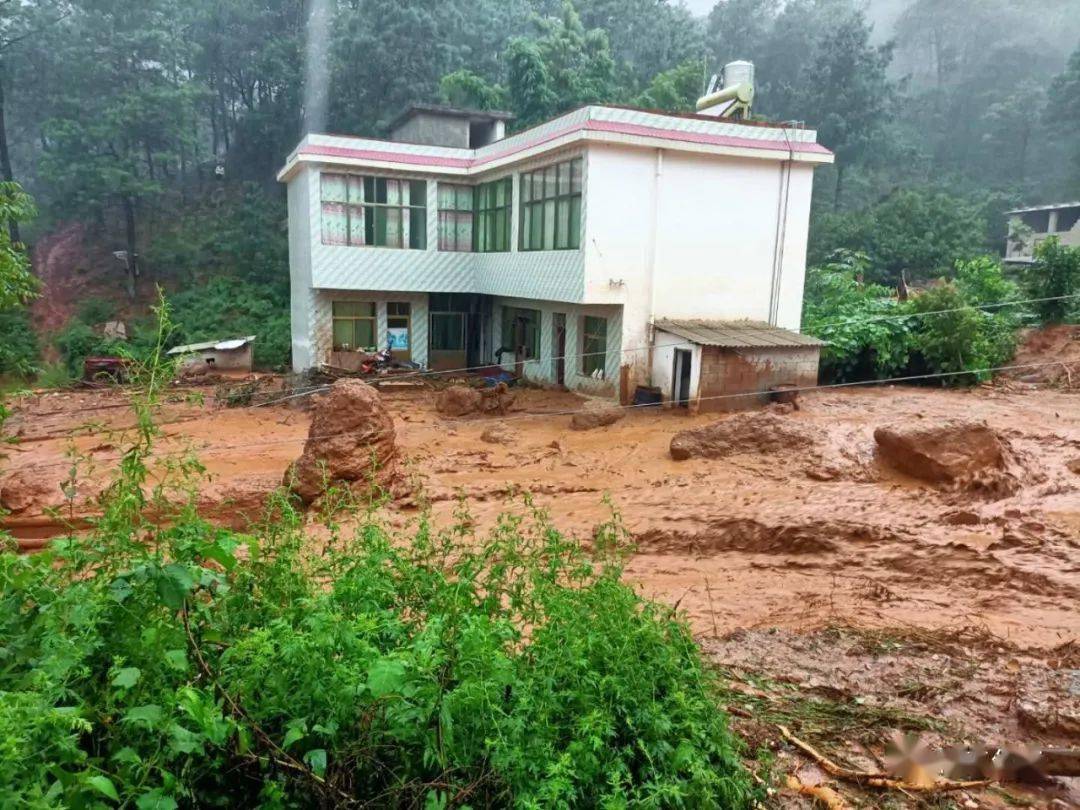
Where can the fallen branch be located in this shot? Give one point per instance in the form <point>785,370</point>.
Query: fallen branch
<point>875,779</point>
<point>822,793</point>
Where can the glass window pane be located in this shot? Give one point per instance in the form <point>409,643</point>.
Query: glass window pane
<point>575,176</point>
<point>343,335</point>
<point>574,235</point>
<point>464,231</point>
<point>369,189</point>
<point>562,224</point>
<point>334,224</point>
<point>418,192</point>
<point>526,222</point>
<point>549,225</point>
<point>365,333</point>
<point>537,216</point>
<point>447,197</point>
<point>334,188</point>
<point>564,178</point>
<point>356,188</point>
<point>393,192</point>
<point>418,228</point>
<point>549,182</point>
<point>465,198</point>
<point>356,224</point>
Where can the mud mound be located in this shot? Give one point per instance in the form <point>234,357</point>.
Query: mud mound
<point>754,537</point>
<point>1057,349</point>
<point>31,489</point>
<point>499,434</point>
<point>457,400</point>
<point>351,439</point>
<point>597,417</point>
<point>461,400</point>
<point>968,455</point>
<point>760,432</point>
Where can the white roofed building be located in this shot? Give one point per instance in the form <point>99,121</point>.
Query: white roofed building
<point>552,251</point>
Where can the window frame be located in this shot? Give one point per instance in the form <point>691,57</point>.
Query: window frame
<point>551,207</point>
<point>454,214</point>
<point>367,207</point>
<point>354,320</point>
<point>592,358</point>
<point>486,213</point>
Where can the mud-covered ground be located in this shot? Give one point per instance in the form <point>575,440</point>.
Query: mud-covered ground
<point>965,603</point>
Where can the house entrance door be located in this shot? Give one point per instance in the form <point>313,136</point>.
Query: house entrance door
<point>399,329</point>
<point>681,378</point>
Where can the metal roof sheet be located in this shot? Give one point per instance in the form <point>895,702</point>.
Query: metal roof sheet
<point>1053,207</point>
<point>217,345</point>
<point>737,334</point>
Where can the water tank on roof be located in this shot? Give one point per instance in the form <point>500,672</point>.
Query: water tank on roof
<point>739,72</point>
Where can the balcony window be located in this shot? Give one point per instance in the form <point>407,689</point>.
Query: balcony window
<point>551,207</point>
<point>354,326</point>
<point>494,203</point>
<point>373,211</point>
<point>455,217</point>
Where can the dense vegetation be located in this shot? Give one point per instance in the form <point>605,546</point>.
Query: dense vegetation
<point>162,124</point>
<point>154,665</point>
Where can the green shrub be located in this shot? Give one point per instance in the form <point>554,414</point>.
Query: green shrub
<point>865,338</point>
<point>229,307</point>
<point>156,665</point>
<point>79,340</point>
<point>1055,273</point>
<point>19,351</point>
<point>953,326</point>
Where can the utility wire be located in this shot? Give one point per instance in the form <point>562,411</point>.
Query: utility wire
<point>571,412</point>
<point>315,389</point>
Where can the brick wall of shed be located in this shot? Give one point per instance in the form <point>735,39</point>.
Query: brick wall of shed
<point>752,371</point>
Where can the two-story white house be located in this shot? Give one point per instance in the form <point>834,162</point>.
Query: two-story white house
<point>606,249</point>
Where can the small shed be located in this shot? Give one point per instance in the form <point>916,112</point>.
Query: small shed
<point>705,365</point>
<point>234,354</point>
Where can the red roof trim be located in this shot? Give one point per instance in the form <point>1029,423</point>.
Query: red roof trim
<point>619,127</point>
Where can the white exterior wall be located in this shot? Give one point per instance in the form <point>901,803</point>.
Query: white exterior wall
<point>663,365</point>
<point>542,368</point>
<point>670,229</point>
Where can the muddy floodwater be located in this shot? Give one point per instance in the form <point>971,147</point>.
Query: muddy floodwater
<point>775,538</point>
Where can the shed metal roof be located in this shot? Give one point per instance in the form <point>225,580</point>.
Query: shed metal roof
<point>1053,207</point>
<point>737,334</point>
<point>217,345</point>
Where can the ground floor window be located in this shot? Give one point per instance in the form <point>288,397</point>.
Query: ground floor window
<point>521,329</point>
<point>594,346</point>
<point>354,325</point>
<point>398,319</point>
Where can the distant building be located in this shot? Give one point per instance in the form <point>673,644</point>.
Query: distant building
<point>556,251</point>
<point>1030,226</point>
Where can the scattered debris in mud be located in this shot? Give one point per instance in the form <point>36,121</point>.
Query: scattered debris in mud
<point>351,440</point>
<point>462,400</point>
<point>851,691</point>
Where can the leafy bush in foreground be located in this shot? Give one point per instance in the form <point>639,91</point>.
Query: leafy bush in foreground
<point>190,665</point>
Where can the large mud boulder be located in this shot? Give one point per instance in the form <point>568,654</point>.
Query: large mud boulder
<point>458,400</point>
<point>351,441</point>
<point>941,453</point>
<point>31,489</point>
<point>963,454</point>
<point>758,433</point>
<point>596,417</point>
